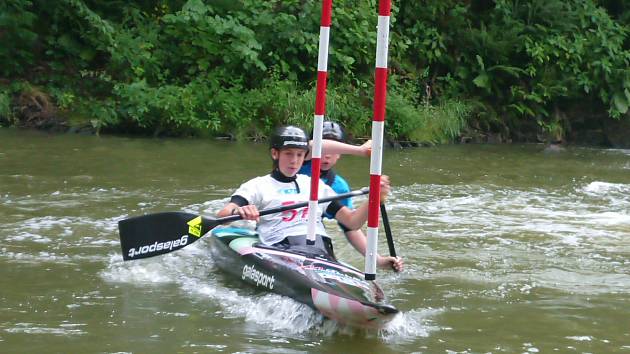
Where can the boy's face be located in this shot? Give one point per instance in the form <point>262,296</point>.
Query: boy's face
<point>329,161</point>
<point>289,160</point>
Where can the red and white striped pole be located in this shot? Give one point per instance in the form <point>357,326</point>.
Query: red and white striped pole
<point>318,123</point>
<point>378,125</point>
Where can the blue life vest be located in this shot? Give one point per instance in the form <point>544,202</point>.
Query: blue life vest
<point>336,182</point>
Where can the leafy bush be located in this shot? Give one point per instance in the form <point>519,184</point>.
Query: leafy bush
<point>193,67</point>
<point>521,60</point>
<point>5,107</point>
<point>17,18</point>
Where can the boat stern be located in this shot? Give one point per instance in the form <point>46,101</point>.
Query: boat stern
<point>352,312</point>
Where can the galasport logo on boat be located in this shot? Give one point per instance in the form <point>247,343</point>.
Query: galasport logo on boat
<point>159,246</point>
<point>260,278</point>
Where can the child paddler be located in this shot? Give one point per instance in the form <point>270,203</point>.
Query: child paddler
<point>333,131</point>
<point>289,146</point>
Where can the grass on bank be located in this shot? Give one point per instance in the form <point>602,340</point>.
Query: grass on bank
<point>204,109</point>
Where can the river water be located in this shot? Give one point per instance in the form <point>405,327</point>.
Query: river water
<point>508,249</point>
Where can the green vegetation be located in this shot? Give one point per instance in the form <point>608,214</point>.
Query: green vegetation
<point>175,67</point>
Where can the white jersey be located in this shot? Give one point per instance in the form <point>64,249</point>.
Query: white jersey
<point>266,192</point>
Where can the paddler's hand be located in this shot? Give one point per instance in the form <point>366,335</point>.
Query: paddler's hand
<point>366,148</point>
<point>248,212</point>
<point>395,263</point>
<point>385,188</point>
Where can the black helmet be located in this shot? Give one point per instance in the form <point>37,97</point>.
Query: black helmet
<point>333,131</point>
<point>289,137</point>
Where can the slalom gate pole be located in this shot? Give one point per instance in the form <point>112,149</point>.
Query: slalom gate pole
<point>378,125</point>
<point>320,111</point>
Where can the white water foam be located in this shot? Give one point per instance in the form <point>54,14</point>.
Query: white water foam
<point>33,328</point>
<point>599,188</point>
<point>408,326</point>
<point>580,338</point>
<point>50,257</point>
<point>188,269</point>
<point>519,237</point>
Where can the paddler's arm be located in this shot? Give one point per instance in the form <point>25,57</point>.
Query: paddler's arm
<point>240,206</point>
<point>335,147</point>
<point>354,219</point>
<point>358,240</point>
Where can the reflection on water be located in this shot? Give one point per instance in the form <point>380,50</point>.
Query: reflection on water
<point>507,249</point>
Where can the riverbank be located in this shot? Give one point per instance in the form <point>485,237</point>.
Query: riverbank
<point>227,69</point>
<point>407,124</point>
<point>607,133</point>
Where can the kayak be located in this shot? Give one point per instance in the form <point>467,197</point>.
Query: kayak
<point>305,273</point>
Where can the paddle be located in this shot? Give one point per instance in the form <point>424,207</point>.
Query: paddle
<point>154,234</point>
<point>388,231</point>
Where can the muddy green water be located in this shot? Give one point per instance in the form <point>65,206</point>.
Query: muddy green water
<point>508,249</point>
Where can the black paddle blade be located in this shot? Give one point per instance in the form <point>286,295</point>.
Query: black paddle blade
<point>151,235</point>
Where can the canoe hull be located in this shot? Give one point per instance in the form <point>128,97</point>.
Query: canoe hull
<point>335,289</point>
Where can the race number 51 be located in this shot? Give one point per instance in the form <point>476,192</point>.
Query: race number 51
<point>290,215</point>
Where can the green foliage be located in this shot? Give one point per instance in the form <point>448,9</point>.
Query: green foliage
<point>17,36</point>
<point>5,107</point>
<point>7,93</point>
<point>193,67</point>
<point>429,124</point>
<point>517,59</point>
